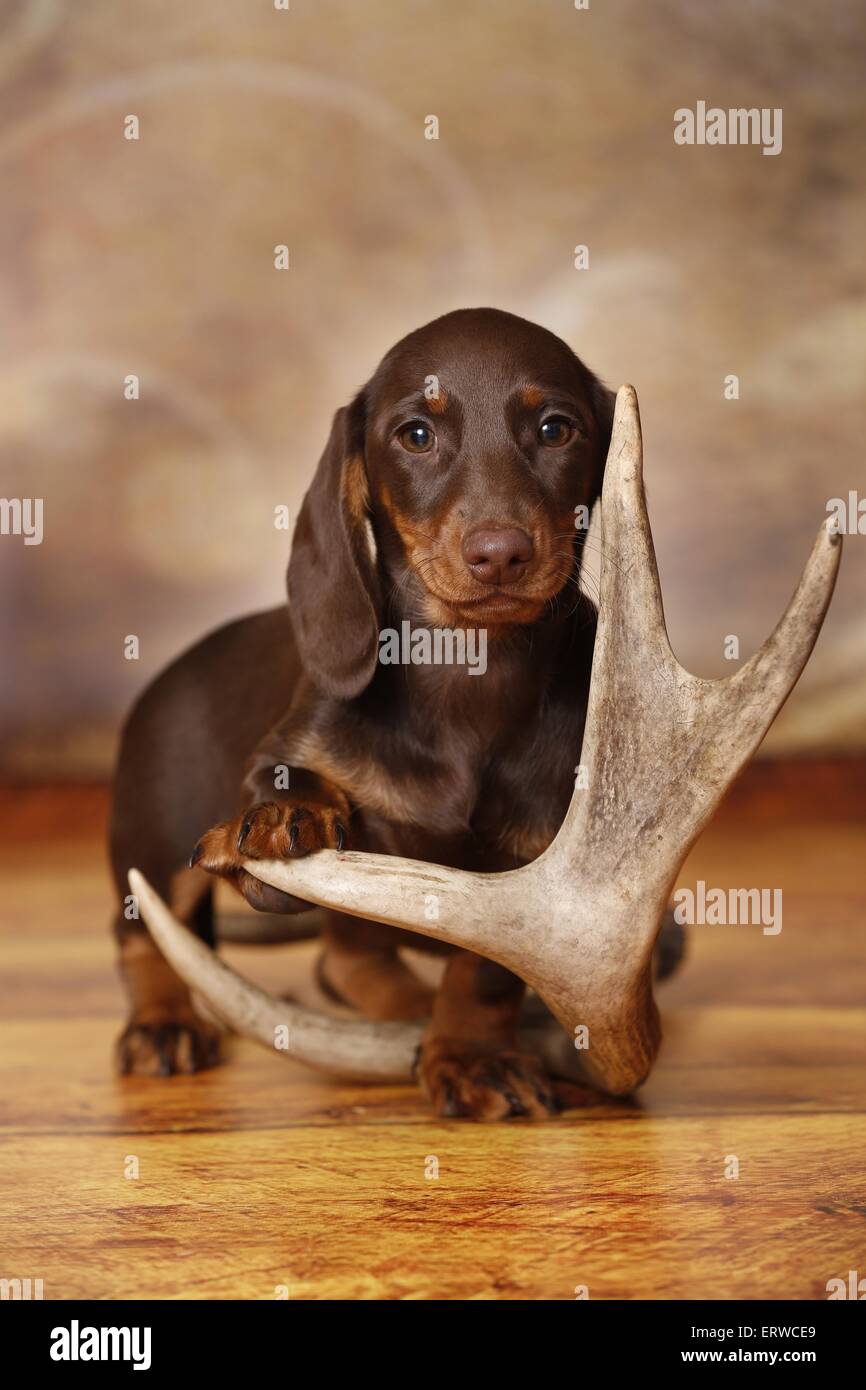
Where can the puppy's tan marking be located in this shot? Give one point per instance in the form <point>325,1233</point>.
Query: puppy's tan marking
<point>356,489</point>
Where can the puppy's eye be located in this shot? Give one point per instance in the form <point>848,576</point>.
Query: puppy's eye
<point>417,437</point>
<point>555,431</point>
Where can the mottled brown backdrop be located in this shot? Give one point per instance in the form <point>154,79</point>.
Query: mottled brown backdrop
<point>260,127</point>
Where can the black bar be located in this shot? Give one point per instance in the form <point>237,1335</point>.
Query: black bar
<point>252,1338</point>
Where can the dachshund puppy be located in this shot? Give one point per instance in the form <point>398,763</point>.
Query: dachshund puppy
<point>446,498</point>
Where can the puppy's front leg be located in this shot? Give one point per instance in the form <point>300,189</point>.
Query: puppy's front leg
<point>469,1064</point>
<point>164,1034</point>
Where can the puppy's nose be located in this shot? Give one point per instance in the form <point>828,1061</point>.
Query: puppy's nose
<point>497,554</point>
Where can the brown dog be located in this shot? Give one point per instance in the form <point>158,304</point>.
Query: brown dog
<point>446,497</point>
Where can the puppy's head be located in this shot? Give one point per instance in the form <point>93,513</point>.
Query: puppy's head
<point>452,482</point>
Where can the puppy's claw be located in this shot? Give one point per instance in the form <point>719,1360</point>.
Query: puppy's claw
<point>196,855</point>
<point>451,1108</point>
<point>341,835</point>
<point>495,1081</point>
<point>293,839</point>
<point>244,832</point>
<point>545,1095</point>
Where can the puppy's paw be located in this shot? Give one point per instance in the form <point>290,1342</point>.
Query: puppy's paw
<point>162,1042</point>
<point>472,1083</point>
<point>270,830</point>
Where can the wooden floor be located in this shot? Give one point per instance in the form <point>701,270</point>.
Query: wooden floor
<point>261,1175</point>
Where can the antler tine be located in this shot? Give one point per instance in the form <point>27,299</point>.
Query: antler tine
<point>633,666</point>
<point>760,687</point>
<point>349,1047</point>
<point>632,576</point>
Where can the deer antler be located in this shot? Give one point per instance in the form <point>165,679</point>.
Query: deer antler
<point>660,749</point>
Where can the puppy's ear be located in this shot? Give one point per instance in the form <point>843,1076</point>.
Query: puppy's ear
<point>603,404</point>
<point>332,583</point>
